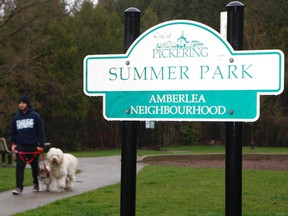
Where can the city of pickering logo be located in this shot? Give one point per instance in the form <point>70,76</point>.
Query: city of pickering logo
<point>182,48</point>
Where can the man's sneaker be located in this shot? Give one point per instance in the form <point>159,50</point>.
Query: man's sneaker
<point>16,191</point>
<point>36,188</point>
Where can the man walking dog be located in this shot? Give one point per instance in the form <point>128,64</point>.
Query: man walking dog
<point>27,137</point>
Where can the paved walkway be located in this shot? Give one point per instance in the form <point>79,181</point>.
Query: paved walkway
<point>95,173</point>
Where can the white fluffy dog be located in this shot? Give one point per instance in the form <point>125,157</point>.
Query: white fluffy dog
<point>62,169</point>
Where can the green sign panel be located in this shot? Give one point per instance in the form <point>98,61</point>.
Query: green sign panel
<point>183,71</point>
<point>185,105</point>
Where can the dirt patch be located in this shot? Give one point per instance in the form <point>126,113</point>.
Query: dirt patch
<point>247,164</point>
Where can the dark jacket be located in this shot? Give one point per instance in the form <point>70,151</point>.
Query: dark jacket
<point>27,128</point>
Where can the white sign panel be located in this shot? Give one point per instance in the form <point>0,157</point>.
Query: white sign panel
<point>183,70</point>
<point>181,58</point>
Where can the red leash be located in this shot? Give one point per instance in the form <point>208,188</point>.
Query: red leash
<point>34,155</point>
<point>27,153</point>
<point>43,160</point>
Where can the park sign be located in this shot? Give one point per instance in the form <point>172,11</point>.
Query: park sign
<point>183,70</point>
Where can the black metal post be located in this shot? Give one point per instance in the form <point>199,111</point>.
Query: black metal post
<point>3,157</point>
<point>129,130</point>
<point>235,12</point>
<point>9,159</point>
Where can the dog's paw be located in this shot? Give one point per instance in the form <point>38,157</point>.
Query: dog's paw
<point>68,188</point>
<point>53,189</point>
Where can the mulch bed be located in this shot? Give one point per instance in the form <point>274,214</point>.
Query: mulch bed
<point>246,164</point>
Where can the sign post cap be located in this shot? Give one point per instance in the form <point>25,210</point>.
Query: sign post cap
<point>132,10</point>
<point>235,4</point>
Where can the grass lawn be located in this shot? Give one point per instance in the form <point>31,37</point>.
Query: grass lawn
<point>184,150</point>
<point>8,178</point>
<point>173,191</point>
<point>168,190</point>
<point>7,174</point>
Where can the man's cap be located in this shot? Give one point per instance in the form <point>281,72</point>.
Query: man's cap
<point>24,99</point>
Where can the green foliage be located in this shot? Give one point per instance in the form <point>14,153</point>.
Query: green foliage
<point>149,19</point>
<point>189,133</point>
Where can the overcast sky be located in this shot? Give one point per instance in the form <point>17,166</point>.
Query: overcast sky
<point>68,1</point>
<point>72,1</point>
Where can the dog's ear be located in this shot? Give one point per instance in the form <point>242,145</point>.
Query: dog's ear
<point>49,156</point>
<point>48,153</point>
<point>61,159</point>
<point>51,150</point>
